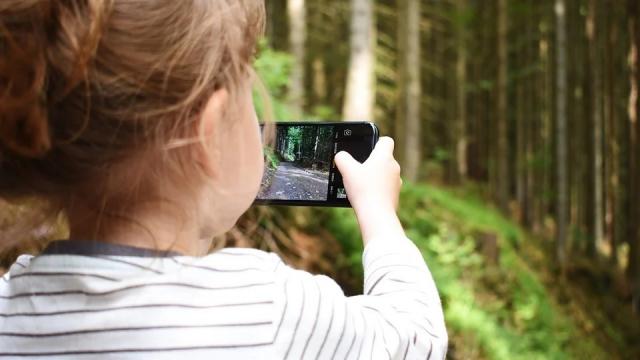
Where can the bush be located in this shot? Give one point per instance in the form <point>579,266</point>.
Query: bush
<point>273,69</point>
<point>271,158</point>
<point>493,310</point>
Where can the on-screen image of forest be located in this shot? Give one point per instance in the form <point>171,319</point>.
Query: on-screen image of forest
<point>298,164</point>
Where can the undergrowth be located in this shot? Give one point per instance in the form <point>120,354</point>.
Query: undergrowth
<point>494,309</point>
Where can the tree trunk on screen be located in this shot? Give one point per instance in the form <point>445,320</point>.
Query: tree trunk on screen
<point>296,12</point>
<point>502,153</point>
<point>561,132</point>
<point>360,91</point>
<point>410,91</point>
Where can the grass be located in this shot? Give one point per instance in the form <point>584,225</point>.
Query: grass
<point>495,309</point>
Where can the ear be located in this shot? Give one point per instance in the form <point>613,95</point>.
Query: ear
<point>206,151</point>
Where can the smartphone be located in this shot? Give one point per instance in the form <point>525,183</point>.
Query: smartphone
<point>299,166</point>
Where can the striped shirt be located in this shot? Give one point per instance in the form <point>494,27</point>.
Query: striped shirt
<point>120,302</point>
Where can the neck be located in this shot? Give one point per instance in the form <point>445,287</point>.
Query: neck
<point>155,226</point>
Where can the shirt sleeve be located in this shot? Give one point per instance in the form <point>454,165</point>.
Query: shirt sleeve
<point>399,316</point>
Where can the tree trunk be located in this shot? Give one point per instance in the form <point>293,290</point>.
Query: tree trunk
<point>315,145</point>
<point>521,136</point>
<point>611,159</point>
<point>502,181</point>
<point>401,84</point>
<point>319,80</point>
<point>597,236</point>
<point>633,270</point>
<point>561,132</point>
<point>410,93</point>
<point>360,91</point>
<point>460,149</point>
<point>530,116</point>
<point>296,12</point>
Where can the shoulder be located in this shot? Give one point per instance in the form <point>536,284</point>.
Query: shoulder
<point>21,263</point>
<point>248,257</point>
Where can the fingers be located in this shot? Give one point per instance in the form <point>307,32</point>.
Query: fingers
<point>384,147</point>
<point>345,162</point>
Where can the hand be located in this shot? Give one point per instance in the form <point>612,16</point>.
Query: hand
<point>373,188</point>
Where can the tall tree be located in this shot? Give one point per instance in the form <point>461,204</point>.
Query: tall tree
<point>596,236</point>
<point>460,149</point>
<point>360,92</point>
<point>502,182</point>
<point>561,132</point>
<point>612,164</point>
<point>296,11</point>
<point>410,87</point>
<point>633,270</point>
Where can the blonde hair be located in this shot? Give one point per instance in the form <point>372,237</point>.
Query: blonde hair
<point>86,86</point>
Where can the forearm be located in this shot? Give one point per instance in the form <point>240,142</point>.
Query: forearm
<point>379,224</point>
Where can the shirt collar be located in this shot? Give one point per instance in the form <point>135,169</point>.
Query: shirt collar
<point>94,248</point>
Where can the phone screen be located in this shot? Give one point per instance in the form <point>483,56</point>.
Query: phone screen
<point>299,166</point>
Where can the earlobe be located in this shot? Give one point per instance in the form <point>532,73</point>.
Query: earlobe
<point>207,125</point>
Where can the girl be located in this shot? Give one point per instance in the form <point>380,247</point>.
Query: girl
<point>134,118</point>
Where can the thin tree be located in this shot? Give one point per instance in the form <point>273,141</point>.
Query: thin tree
<point>296,12</point>
<point>612,164</point>
<point>410,88</point>
<point>360,91</point>
<point>597,235</point>
<point>633,269</point>
<point>502,153</point>
<point>461,95</point>
<point>561,132</point>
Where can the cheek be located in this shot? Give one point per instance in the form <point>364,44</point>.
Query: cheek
<point>256,158</point>
<point>249,159</point>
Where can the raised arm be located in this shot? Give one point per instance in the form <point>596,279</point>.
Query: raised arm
<point>399,316</point>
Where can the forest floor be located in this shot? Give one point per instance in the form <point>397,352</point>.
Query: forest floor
<point>291,182</point>
<point>502,294</point>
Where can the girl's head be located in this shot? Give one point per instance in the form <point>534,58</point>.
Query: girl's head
<point>110,108</point>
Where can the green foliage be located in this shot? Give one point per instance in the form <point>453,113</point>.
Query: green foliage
<point>501,310</point>
<point>324,112</point>
<point>273,69</point>
<point>272,159</point>
<point>343,225</point>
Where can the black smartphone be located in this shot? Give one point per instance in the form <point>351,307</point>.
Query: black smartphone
<point>299,166</point>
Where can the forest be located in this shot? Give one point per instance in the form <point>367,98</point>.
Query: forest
<point>516,126</point>
<point>308,146</point>
<point>297,163</point>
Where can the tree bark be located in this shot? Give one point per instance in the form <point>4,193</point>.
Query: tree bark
<point>561,132</point>
<point>502,181</point>
<point>612,176</point>
<point>633,270</point>
<point>460,149</point>
<point>360,90</point>
<point>296,12</point>
<point>596,241</point>
<point>411,91</point>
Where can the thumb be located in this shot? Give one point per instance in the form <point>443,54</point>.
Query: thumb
<point>345,163</point>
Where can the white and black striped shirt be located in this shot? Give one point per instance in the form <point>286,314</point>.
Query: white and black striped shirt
<point>232,304</point>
